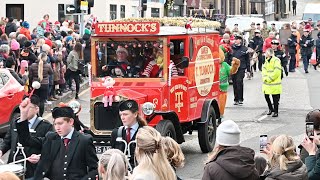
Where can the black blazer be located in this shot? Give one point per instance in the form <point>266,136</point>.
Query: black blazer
<point>121,146</point>
<point>11,139</point>
<point>81,158</point>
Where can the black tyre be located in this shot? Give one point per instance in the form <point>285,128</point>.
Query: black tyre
<point>207,132</point>
<point>166,128</point>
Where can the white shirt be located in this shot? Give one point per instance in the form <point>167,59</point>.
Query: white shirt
<point>133,129</point>
<point>32,120</point>
<point>69,136</point>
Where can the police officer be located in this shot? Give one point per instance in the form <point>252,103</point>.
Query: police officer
<point>280,54</point>
<point>240,52</point>
<point>271,77</point>
<point>292,49</point>
<point>256,44</point>
<point>40,128</point>
<point>131,121</point>
<point>306,43</point>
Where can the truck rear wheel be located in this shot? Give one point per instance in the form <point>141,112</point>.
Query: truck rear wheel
<point>166,128</point>
<point>207,132</point>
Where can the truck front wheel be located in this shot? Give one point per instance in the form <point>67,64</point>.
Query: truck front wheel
<point>166,128</point>
<point>207,132</point>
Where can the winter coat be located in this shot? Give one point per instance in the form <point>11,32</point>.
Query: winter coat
<point>318,48</point>
<point>47,71</point>
<point>27,54</point>
<point>240,52</point>
<point>256,44</point>
<point>309,42</point>
<point>10,27</point>
<point>271,76</point>
<point>72,61</point>
<point>292,44</point>
<point>313,164</point>
<point>296,171</point>
<point>25,32</point>
<point>232,163</point>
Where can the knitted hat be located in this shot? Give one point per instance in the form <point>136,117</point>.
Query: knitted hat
<point>27,44</point>
<point>25,24</point>
<point>228,134</point>
<point>69,38</point>
<point>14,45</point>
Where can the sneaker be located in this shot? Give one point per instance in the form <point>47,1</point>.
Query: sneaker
<point>52,99</point>
<point>269,112</point>
<point>275,115</point>
<point>236,103</point>
<point>240,102</point>
<point>307,71</point>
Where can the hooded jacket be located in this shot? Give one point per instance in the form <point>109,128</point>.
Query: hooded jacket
<point>10,27</point>
<point>232,163</point>
<point>296,171</point>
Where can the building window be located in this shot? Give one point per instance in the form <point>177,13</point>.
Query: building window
<point>63,17</point>
<point>113,11</point>
<point>122,11</point>
<point>223,7</point>
<point>243,7</point>
<point>134,11</point>
<point>232,7</point>
<point>15,10</point>
<point>155,12</point>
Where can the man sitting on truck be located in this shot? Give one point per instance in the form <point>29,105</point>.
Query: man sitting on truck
<point>117,68</point>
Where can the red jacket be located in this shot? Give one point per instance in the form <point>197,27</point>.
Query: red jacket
<point>25,32</point>
<point>267,44</point>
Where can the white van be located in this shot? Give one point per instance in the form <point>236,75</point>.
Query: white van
<point>312,10</point>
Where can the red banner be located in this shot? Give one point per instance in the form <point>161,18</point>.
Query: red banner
<point>127,28</point>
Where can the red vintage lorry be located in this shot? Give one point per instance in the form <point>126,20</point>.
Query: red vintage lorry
<point>173,103</point>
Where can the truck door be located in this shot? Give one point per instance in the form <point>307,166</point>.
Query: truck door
<point>178,89</point>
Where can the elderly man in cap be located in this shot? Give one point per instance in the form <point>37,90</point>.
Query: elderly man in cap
<point>38,128</point>
<point>239,51</point>
<point>235,30</point>
<point>66,153</point>
<point>131,120</point>
<point>306,43</point>
<point>117,68</point>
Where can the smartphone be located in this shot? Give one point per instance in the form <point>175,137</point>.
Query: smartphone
<point>263,141</point>
<point>309,129</point>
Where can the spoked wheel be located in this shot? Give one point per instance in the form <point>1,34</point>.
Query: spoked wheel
<point>166,128</point>
<point>207,132</point>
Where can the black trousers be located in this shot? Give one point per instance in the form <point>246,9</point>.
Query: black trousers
<point>42,93</point>
<point>275,98</point>
<point>292,62</point>
<point>237,82</point>
<point>260,61</point>
<point>76,77</point>
<point>294,12</point>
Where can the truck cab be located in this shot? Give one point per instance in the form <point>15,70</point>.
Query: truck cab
<point>172,72</point>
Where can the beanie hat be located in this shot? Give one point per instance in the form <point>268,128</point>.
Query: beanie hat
<point>46,48</point>
<point>27,44</point>
<point>14,45</point>
<point>69,38</point>
<point>228,134</point>
<point>25,24</point>
<point>59,43</point>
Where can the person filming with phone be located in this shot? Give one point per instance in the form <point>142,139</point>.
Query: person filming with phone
<point>311,145</point>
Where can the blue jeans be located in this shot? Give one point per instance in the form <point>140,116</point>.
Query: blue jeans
<point>306,59</point>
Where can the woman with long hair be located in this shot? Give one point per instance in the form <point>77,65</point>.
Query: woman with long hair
<point>284,162</point>
<point>174,153</point>
<point>113,165</point>
<point>72,66</point>
<point>152,159</point>
<point>40,71</point>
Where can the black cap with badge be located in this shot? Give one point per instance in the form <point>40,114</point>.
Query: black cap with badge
<point>237,36</point>
<point>58,112</point>
<point>130,105</point>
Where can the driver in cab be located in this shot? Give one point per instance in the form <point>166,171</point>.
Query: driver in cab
<point>117,68</point>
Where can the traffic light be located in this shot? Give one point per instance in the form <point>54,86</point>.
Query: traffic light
<point>77,4</point>
<point>144,5</point>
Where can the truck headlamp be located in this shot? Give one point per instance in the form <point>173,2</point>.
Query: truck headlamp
<point>148,108</point>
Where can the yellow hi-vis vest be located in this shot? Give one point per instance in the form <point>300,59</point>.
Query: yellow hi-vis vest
<point>271,76</point>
